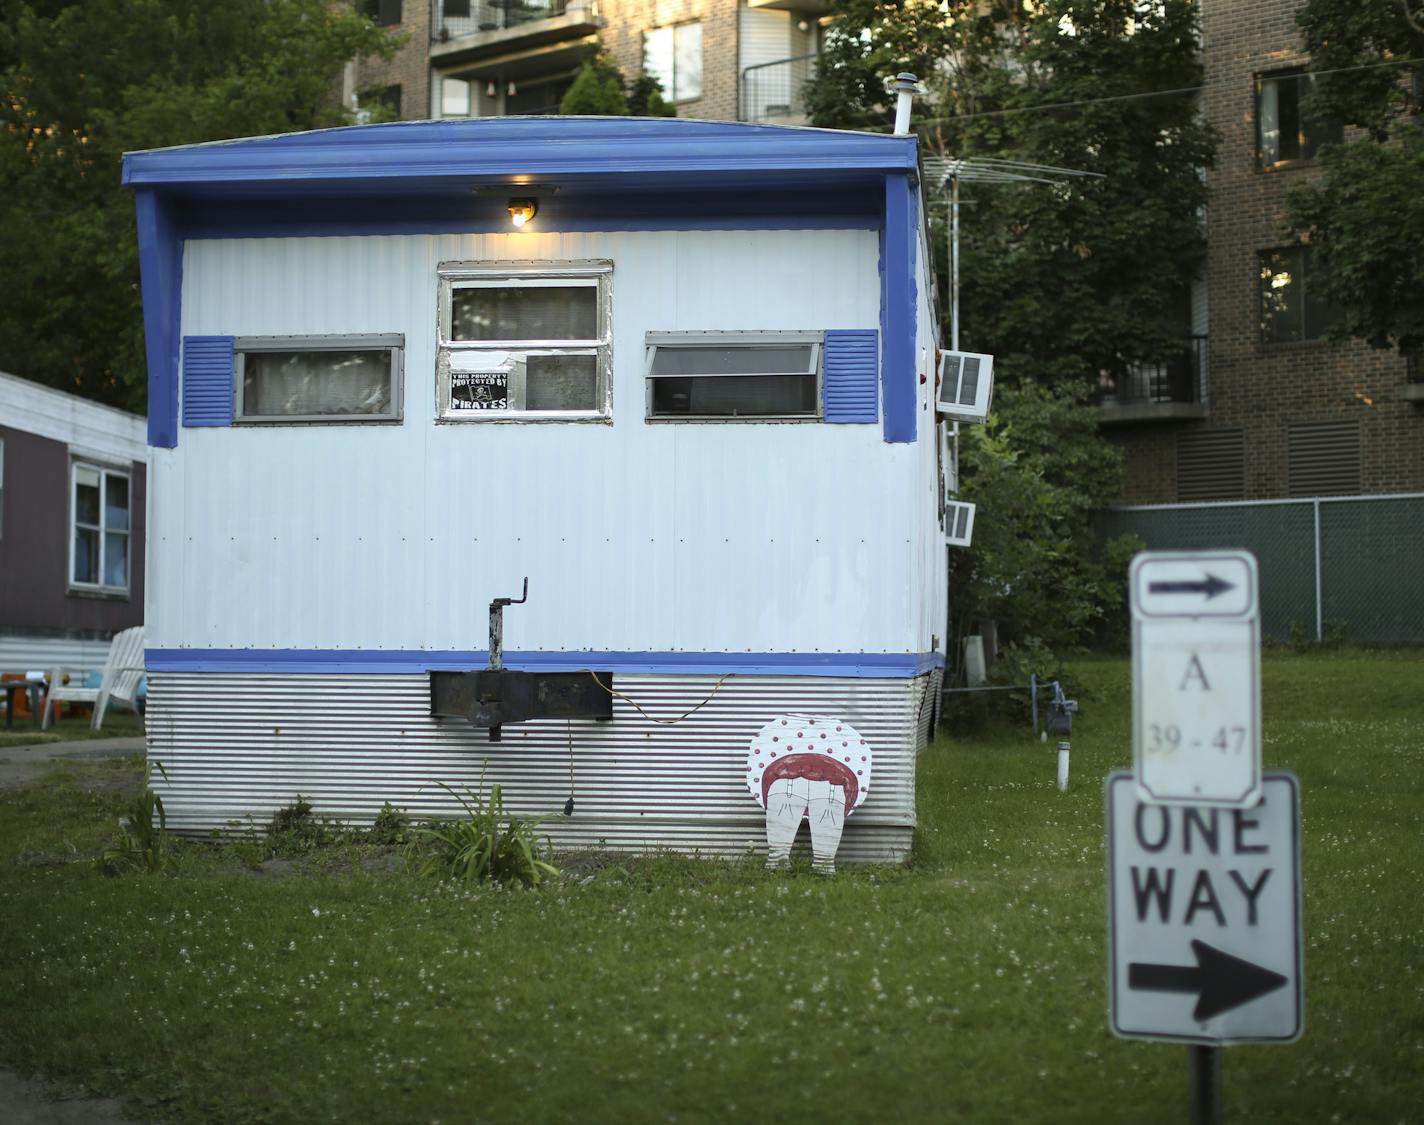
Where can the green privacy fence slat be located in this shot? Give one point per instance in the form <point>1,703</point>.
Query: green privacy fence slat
<point>1372,564</point>
<point>1371,558</point>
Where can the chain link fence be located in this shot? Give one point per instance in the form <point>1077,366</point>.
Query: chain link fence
<point>1337,567</point>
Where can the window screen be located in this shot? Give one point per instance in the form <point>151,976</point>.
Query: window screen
<point>528,341</point>
<point>319,378</point>
<point>731,375</point>
<point>521,312</point>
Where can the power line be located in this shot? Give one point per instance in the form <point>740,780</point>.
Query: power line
<point>1148,94</point>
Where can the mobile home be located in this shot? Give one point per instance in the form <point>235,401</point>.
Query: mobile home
<point>72,479</point>
<point>679,375</point>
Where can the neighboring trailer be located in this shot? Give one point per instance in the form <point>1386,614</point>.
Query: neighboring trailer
<point>71,527</point>
<point>691,401</point>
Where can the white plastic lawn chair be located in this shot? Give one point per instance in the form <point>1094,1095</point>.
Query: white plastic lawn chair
<point>122,672</point>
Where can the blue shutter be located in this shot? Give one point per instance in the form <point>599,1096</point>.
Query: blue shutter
<point>852,375</point>
<point>207,380</point>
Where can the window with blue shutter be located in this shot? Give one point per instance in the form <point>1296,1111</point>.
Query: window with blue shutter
<point>207,380</point>
<point>852,374</point>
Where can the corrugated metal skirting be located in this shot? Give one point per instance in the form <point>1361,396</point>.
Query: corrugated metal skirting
<point>238,747</point>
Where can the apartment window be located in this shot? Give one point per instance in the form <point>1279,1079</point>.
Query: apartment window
<point>1291,306</point>
<point>387,13</point>
<point>318,378</point>
<point>673,55</point>
<point>99,543</point>
<point>527,341</point>
<point>1286,129</point>
<point>733,376</point>
<point>456,97</point>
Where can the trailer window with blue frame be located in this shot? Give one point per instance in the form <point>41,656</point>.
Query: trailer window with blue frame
<point>354,378</point>
<point>529,341</point>
<point>733,376</point>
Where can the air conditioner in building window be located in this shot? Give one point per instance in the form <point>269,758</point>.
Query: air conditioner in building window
<point>958,523</point>
<point>966,385</point>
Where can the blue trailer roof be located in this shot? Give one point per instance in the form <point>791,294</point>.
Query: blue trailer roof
<point>510,149</point>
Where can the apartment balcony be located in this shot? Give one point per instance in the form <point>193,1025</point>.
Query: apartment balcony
<point>772,93</point>
<point>1158,392</point>
<point>475,31</point>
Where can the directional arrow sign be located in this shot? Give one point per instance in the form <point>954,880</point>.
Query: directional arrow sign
<point>1219,981</point>
<point>1196,640</point>
<point>1208,586</point>
<point>1204,917</point>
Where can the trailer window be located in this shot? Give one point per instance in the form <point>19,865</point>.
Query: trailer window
<point>733,376</point>
<point>524,342</point>
<point>99,535</point>
<point>318,378</point>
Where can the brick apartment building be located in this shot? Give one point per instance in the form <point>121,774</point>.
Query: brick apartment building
<point>1262,405</point>
<point>717,59</point>
<point>1259,405</point>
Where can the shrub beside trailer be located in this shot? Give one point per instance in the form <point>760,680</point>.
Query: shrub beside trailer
<point>677,375</point>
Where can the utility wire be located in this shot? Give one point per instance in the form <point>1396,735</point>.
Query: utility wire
<point>1148,94</point>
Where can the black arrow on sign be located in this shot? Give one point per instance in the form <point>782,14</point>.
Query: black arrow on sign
<point>1222,981</point>
<point>1211,585</point>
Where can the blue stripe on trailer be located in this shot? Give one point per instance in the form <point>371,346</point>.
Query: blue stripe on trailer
<point>863,665</point>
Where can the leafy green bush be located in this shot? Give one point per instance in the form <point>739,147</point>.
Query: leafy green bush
<point>597,91</point>
<point>296,830</point>
<point>487,845</point>
<point>141,845</point>
<point>391,826</point>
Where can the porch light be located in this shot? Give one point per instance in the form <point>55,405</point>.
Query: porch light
<point>522,210</point>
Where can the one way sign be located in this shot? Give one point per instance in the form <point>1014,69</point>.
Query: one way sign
<point>1204,917</point>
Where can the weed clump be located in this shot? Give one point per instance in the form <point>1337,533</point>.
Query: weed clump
<point>391,827</point>
<point>488,844</point>
<point>142,844</point>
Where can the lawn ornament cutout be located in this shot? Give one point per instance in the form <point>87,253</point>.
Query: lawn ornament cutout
<point>807,767</point>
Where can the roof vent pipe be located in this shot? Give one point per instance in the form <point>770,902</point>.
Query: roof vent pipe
<point>906,87</point>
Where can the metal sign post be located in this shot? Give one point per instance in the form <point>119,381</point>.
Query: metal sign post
<point>1196,677</point>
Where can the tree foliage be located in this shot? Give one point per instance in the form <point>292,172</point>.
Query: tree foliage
<point>601,90</point>
<point>88,81</point>
<point>1364,215</point>
<point>1070,284</point>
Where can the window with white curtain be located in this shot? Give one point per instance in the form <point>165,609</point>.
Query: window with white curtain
<point>318,378</point>
<point>526,341</point>
<point>673,55</point>
<point>99,525</point>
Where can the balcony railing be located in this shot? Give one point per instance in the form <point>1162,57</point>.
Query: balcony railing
<point>772,92</point>
<point>1176,381</point>
<point>453,20</point>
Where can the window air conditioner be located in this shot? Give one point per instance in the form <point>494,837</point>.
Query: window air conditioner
<point>958,523</point>
<point>966,385</point>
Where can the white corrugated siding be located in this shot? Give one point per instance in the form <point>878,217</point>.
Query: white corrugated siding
<point>237,747</point>
<point>20,653</point>
<point>636,537</point>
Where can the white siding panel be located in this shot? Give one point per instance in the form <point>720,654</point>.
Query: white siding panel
<point>22,653</point>
<point>638,537</point>
<point>237,748</point>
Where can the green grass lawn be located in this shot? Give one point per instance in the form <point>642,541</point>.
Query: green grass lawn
<point>969,985</point>
<point>117,724</point>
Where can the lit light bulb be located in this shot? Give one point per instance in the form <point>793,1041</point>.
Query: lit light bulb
<point>521,211</point>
